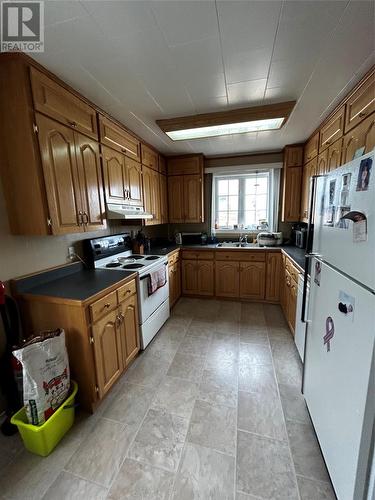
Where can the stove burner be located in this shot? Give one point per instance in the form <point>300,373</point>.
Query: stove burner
<point>136,257</point>
<point>113,264</point>
<point>132,266</point>
<point>152,257</point>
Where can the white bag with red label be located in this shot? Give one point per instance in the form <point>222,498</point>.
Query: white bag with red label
<point>46,376</point>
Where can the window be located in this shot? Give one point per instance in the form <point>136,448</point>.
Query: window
<point>243,201</point>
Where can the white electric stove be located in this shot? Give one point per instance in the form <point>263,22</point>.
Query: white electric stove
<point>114,253</point>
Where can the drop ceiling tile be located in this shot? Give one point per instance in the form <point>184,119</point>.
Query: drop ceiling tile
<point>243,65</point>
<point>206,86</point>
<point>279,94</point>
<point>210,105</point>
<point>58,12</point>
<point>246,93</point>
<point>201,57</point>
<point>185,21</point>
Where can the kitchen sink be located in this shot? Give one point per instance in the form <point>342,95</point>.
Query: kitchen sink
<point>235,244</point>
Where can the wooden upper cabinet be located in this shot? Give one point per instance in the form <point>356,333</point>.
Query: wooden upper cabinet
<point>332,129</point>
<point>119,139</point>
<point>114,176</point>
<point>129,330</point>
<point>193,198</point>
<point>53,100</point>
<point>334,155</point>
<point>293,156</point>
<point>309,169</point>
<point>322,165</point>
<point>60,171</point>
<point>273,276</point>
<point>227,283</point>
<point>361,103</point>
<point>252,280</point>
<point>361,136</point>
<point>107,351</point>
<point>150,158</point>
<point>91,184</point>
<point>311,148</point>
<point>162,165</point>
<point>163,199</point>
<point>175,198</point>
<point>188,165</point>
<point>133,182</point>
<point>151,194</point>
<point>205,277</point>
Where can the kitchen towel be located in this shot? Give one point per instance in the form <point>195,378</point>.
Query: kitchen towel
<point>156,280</point>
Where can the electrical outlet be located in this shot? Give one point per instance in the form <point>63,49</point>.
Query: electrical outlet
<point>71,253</point>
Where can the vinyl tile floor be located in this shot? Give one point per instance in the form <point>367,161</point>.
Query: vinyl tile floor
<point>211,410</point>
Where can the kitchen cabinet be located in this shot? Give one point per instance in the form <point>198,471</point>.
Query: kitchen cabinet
<point>334,155</point>
<point>162,165</point>
<point>101,333</point>
<point>289,291</point>
<point>273,276</point>
<point>322,165</point>
<point>189,277</point>
<point>185,189</point>
<point>292,181</point>
<point>163,199</point>
<point>363,135</point>
<point>58,103</point>
<point>252,280</point>
<point>198,277</point>
<point>108,351</point>
<point>72,177</point>
<point>174,270</point>
<point>309,169</point>
<point>332,129</point>
<point>151,194</point>
<point>150,157</point>
<point>227,279</point>
<point>118,138</point>
<point>311,148</point>
<point>293,156</point>
<point>133,182</point>
<point>361,103</point>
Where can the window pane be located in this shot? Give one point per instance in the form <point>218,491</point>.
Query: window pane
<point>223,203</point>
<point>233,218</point>
<point>233,186</point>
<point>233,202</point>
<point>261,202</point>
<point>250,185</point>
<point>262,185</point>
<point>223,186</point>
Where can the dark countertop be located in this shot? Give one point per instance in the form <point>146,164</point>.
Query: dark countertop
<point>72,282</point>
<point>295,253</point>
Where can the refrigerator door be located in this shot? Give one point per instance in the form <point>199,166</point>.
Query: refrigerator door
<point>339,376</point>
<point>345,244</point>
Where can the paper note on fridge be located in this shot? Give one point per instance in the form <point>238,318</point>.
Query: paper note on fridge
<point>359,225</point>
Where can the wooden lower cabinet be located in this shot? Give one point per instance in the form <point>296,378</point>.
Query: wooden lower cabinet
<point>273,276</point>
<point>128,317</point>
<point>198,277</point>
<point>108,351</point>
<point>174,272</point>
<point>227,279</point>
<point>288,293</point>
<point>252,280</point>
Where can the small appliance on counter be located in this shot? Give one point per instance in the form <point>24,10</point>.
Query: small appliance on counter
<point>270,239</point>
<point>178,238</point>
<point>299,235</point>
<point>193,239</point>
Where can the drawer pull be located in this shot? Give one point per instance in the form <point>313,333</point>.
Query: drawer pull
<point>362,114</point>
<point>72,124</point>
<point>107,304</point>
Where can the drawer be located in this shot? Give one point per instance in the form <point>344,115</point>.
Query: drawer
<point>117,138</point>
<point>57,102</point>
<point>102,306</point>
<point>311,148</point>
<point>293,271</point>
<point>332,130</point>
<point>361,103</point>
<point>241,256</point>
<point>150,157</point>
<point>126,291</point>
<point>172,259</point>
<point>203,255</point>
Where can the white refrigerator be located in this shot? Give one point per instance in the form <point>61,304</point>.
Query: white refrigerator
<point>339,373</point>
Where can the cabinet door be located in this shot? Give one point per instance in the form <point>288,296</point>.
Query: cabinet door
<point>117,138</point>
<point>147,190</point>
<point>252,280</point>
<point>361,103</point>
<point>134,182</point>
<point>90,179</point>
<point>149,157</point>
<point>163,199</point>
<point>227,283</point>
<point>334,156</point>
<point>308,171</point>
<point>311,148</point>
<point>205,271</point>
<point>176,198</point>
<point>189,277</point>
<point>156,196</point>
<point>322,165</point>
<point>108,351</point>
<point>273,276</point>
<point>293,156</point>
<point>59,164</point>
<point>292,306</point>
<point>129,330</point>
<point>193,202</point>
<point>114,175</point>
<point>162,165</point>
<point>191,164</point>
<point>332,130</point>
<point>361,136</point>
<point>292,194</point>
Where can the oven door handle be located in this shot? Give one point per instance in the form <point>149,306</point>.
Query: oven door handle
<point>149,275</point>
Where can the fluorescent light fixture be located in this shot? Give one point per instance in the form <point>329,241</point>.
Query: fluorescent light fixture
<point>228,122</point>
<point>226,129</point>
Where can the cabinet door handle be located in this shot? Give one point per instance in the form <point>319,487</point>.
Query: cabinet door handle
<point>107,304</point>
<point>72,123</point>
<point>86,218</point>
<point>362,114</point>
<point>80,218</point>
<point>123,150</point>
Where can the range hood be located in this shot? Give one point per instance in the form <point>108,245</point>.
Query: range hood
<point>128,212</point>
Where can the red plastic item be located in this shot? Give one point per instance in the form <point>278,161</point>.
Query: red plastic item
<point>2,293</point>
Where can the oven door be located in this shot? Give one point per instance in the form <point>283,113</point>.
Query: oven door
<point>148,304</point>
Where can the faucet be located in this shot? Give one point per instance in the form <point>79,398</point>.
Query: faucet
<point>243,240</point>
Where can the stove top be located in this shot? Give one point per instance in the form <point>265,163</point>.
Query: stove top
<point>126,261</point>
<point>133,266</point>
